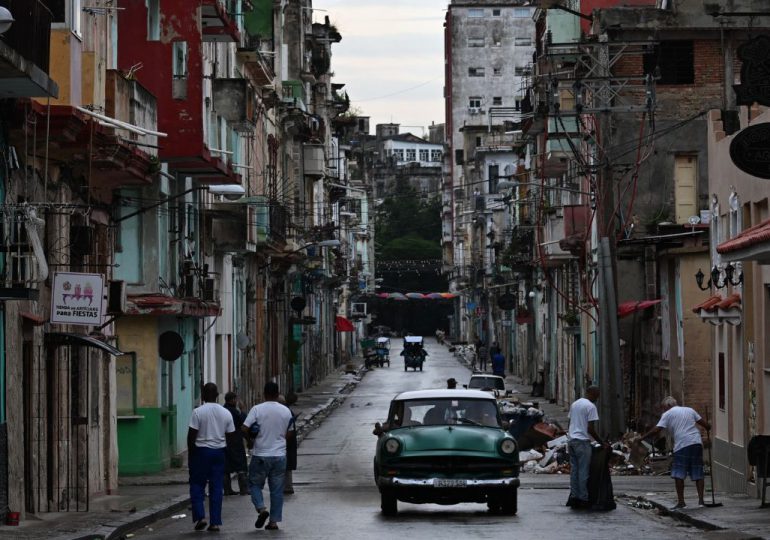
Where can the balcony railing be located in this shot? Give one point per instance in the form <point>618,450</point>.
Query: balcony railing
<point>30,34</point>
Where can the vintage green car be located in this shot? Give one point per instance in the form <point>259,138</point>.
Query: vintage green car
<point>446,447</point>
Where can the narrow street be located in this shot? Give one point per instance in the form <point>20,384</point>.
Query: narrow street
<point>336,496</point>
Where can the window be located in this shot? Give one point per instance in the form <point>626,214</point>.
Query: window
<point>435,155</point>
<point>411,154</point>
<point>424,155</point>
<point>476,72</point>
<point>66,12</point>
<point>671,61</point>
<point>459,157</point>
<point>476,42</point>
<point>520,71</point>
<point>517,104</point>
<point>523,41</point>
<point>153,20</point>
<point>721,383</point>
<point>497,100</point>
<point>497,72</point>
<point>475,13</point>
<point>495,12</point>
<point>521,12</point>
<point>474,102</point>
<point>399,153</point>
<point>179,52</point>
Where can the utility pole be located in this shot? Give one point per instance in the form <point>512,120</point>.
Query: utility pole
<point>611,401</point>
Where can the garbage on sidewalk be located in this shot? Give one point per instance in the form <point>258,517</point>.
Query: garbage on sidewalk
<point>543,445</point>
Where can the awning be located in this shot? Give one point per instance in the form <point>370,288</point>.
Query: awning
<point>64,338</point>
<point>753,244</point>
<point>342,324</point>
<point>627,308</point>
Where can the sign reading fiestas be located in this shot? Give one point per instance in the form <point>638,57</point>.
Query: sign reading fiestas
<point>77,298</point>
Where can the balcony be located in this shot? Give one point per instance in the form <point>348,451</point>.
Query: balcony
<point>21,271</point>
<point>218,21</point>
<point>258,66</point>
<point>294,94</point>
<point>24,52</point>
<point>129,101</point>
<point>234,100</point>
<point>559,151</point>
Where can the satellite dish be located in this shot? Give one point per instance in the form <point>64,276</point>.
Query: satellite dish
<point>298,303</point>
<point>693,220</point>
<point>242,341</point>
<point>170,346</point>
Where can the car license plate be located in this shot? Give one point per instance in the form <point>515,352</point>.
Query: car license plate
<point>449,483</point>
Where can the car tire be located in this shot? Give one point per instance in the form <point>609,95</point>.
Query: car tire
<point>405,368</point>
<point>388,503</point>
<point>509,504</point>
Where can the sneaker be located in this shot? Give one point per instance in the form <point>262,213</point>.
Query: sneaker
<point>261,518</point>
<point>272,526</point>
<point>701,504</point>
<point>678,506</point>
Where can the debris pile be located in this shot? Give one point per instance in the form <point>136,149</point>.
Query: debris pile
<point>543,446</point>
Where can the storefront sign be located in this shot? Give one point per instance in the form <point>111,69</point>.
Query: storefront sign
<point>755,72</point>
<point>750,150</point>
<point>77,298</point>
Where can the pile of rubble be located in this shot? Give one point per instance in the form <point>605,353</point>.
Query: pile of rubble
<point>543,445</point>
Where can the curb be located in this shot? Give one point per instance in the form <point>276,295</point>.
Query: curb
<point>154,513</point>
<point>695,521</point>
<point>137,520</point>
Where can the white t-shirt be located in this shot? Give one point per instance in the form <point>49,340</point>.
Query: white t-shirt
<point>273,419</point>
<point>212,422</point>
<point>581,412</point>
<point>680,423</point>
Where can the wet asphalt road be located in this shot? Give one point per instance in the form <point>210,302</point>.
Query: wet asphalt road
<point>336,497</point>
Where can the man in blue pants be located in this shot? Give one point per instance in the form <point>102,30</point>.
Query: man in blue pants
<point>210,424</point>
<point>583,417</point>
<point>268,455</point>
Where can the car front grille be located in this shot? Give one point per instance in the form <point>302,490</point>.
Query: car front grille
<point>450,464</point>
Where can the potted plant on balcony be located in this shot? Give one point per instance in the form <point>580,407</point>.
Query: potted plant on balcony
<point>571,320</point>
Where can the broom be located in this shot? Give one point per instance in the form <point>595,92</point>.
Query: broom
<point>713,503</point>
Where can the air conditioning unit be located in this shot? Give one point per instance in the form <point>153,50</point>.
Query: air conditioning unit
<point>358,308</point>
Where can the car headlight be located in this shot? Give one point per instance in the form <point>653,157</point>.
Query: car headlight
<point>507,446</point>
<point>392,446</point>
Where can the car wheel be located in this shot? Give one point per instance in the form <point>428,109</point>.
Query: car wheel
<point>509,503</point>
<point>388,503</point>
<point>405,367</point>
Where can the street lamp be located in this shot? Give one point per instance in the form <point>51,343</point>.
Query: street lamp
<point>715,274</point>
<point>6,20</point>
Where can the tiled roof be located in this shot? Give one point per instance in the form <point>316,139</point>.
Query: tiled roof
<point>750,237</point>
<point>717,301</point>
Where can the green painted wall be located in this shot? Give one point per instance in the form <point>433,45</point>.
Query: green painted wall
<point>259,21</point>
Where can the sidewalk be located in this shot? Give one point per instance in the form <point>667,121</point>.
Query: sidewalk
<point>738,518</point>
<point>141,500</point>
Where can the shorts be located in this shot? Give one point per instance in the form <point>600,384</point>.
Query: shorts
<point>688,461</point>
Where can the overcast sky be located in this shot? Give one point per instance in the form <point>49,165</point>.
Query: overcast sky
<point>391,58</point>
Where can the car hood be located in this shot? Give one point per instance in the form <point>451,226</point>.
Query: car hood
<point>448,438</point>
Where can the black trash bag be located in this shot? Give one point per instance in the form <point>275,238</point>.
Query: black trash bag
<point>600,495</point>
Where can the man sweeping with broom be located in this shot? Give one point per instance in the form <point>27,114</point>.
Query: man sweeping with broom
<point>681,423</point>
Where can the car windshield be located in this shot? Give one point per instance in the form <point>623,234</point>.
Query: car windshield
<point>484,383</point>
<point>444,411</point>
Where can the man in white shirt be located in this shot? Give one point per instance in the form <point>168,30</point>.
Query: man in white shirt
<point>270,420</point>
<point>682,424</point>
<point>583,417</point>
<point>210,425</point>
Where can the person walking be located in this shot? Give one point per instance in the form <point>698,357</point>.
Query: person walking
<point>271,421</point>
<point>481,354</point>
<point>682,424</point>
<point>211,425</point>
<point>498,363</point>
<point>583,417</point>
<point>235,457</point>
<point>451,383</point>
